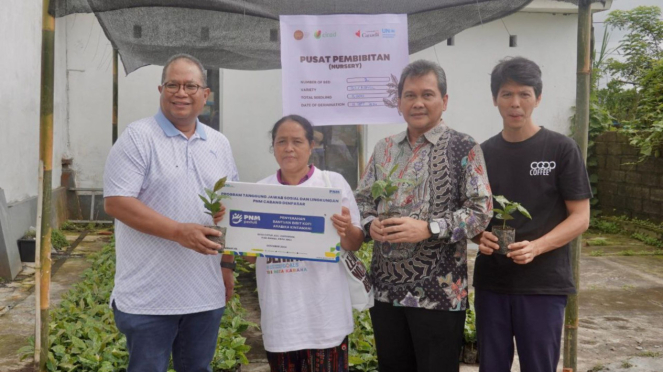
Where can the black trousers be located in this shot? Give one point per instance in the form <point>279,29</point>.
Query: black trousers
<point>411,339</point>
<point>535,321</point>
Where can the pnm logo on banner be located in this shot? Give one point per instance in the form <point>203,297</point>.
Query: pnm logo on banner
<point>237,218</point>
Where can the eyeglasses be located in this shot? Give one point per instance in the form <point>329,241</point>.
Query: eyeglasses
<point>189,88</point>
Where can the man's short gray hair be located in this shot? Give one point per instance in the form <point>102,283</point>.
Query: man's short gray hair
<point>188,57</point>
<point>421,68</point>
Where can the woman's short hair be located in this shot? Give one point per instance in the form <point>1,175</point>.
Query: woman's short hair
<point>519,70</point>
<point>308,128</point>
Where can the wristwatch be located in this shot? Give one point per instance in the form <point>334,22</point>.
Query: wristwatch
<point>434,228</point>
<point>228,265</point>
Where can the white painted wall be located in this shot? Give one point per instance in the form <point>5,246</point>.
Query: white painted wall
<point>252,100</point>
<point>20,69</point>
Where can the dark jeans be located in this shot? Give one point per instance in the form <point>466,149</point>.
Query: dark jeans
<point>151,338</point>
<point>417,340</point>
<point>534,320</point>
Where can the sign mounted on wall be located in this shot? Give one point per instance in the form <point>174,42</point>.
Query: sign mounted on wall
<point>343,69</point>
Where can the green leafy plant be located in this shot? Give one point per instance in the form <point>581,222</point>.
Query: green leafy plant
<point>362,355</point>
<point>58,240</point>
<point>470,332</point>
<point>508,208</point>
<point>30,234</point>
<point>231,346</point>
<point>213,200</point>
<point>83,336</point>
<point>386,188</point>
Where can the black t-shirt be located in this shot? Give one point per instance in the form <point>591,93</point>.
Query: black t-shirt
<point>540,173</point>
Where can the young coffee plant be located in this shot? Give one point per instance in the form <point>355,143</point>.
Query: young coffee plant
<point>507,210</point>
<point>214,197</point>
<point>386,188</point>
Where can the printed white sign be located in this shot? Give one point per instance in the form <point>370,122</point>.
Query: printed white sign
<point>281,221</point>
<point>343,69</point>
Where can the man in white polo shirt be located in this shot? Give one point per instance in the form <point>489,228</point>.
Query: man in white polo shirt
<point>170,292</point>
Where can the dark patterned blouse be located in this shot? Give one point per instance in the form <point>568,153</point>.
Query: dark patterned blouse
<point>449,186</point>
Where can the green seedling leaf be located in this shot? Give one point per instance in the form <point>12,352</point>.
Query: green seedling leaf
<point>393,169</point>
<point>381,168</point>
<point>220,184</point>
<point>378,189</point>
<point>524,211</point>
<point>502,200</point>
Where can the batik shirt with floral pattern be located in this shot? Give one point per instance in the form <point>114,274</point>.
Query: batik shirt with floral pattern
<point>448,185</point>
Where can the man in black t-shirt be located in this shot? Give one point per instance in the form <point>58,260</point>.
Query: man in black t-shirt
<point>523,294</point>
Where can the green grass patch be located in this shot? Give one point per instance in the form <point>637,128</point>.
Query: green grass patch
<point>630,252</point>
<point>649,354</point>
<point>597,253</point>
<point>647,240</point>
<point>600,241</point>
<point>604,226</point>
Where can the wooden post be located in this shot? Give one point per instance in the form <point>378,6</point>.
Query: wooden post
<point>580,136</point>
<point>40,195</point>
<point>114,97</point>
<point>46,157</point>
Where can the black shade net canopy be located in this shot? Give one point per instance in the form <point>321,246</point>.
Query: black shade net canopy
<point>244,34</point>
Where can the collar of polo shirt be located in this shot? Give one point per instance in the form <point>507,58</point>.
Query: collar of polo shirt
<point>171,131</point>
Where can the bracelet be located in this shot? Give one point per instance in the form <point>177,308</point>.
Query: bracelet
<point>228,265</point>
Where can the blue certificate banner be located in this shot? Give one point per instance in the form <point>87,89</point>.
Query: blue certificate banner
<point>281,221</point>
<point>287,222</point>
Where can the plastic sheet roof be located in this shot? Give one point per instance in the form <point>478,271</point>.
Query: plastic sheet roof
<point>244,34</point>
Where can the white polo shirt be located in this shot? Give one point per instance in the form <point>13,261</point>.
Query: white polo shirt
<point>155,163</point>
<point>305,304</point>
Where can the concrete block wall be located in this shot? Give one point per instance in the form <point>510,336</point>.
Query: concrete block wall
<point>625,186</point>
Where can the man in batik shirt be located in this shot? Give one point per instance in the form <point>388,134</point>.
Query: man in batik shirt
<point>419,266</point>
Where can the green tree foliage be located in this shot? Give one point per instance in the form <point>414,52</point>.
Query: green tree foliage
<point>633,95</point>
<point>646,129</point>
<point>641,47</point>
<point>640,50</point>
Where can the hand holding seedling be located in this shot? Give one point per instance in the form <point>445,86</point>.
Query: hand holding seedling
<point>215,209</point>
<point>219,215</point>
<point>377,231</point>
<point>192,236</point>
<point>487,243</point>
<point>405,230</point>
<point>506,235</point>
<point>523,252</point>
